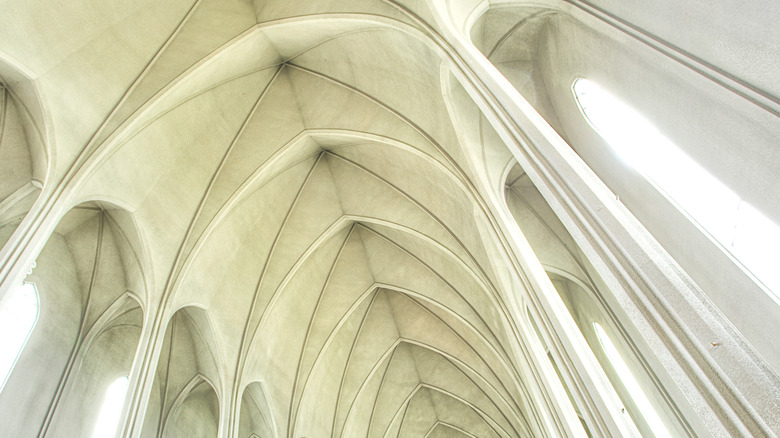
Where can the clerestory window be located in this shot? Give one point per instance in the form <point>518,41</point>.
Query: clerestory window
<point>18,315</point>
<point>111,409</point>
<point>750,238</point>
<point>644,407</point>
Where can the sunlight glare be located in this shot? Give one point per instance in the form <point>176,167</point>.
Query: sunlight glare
<point>111,410</point>
<point>749,236</point>
<point>18,314</point>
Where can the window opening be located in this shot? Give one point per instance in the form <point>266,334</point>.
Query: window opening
<point>557,371</point>
<point>750,238</point>
<point>111,409</point>
<point>18,315</point>
<point>644,407</point>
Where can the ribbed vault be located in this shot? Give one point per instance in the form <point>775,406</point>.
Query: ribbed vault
<point>310,226</point>
<point>298,219</point>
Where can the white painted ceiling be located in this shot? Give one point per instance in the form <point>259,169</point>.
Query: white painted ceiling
<point>302,176</point>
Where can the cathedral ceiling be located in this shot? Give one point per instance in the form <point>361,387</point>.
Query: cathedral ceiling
<point>299,212</point>
<point>289,182</point>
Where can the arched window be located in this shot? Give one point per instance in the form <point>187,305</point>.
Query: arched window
<point>746,234</point>
<point>632,386</point>
<point>111,409</point>
<point>18,315</point>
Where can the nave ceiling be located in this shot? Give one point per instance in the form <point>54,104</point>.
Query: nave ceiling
<point>290,219</point>
<point>295,194</point>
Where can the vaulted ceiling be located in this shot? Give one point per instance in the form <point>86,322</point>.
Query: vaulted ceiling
<point>300,181</point>
<point>295,218</point>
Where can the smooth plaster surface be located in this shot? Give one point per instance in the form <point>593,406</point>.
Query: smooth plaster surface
<point>293,219</point>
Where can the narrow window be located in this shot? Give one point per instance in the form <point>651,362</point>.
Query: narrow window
<point>632,386</point>
<point>751,239</point>
<point>18,315</point>
<point>111,410</point>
